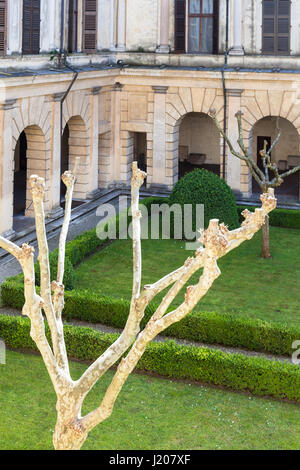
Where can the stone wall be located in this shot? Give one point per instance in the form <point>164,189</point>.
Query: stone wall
<point>107,109</point>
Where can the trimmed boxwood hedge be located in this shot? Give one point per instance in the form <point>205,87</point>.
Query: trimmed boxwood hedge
<point>211,328</point>
<point>260,376</point>
<point>204,327</point>
<point>288,218</point>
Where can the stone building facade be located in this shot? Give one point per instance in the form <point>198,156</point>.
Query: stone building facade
<point>116,80</point>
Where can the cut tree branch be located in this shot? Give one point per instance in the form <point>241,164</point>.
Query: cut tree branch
<point>38,193</point>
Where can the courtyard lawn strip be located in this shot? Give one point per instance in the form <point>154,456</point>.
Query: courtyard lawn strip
<point>143,417</point>
<point>249,286</point>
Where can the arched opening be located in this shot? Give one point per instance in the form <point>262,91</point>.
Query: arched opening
<point>64,164</point>
<point>199,144</point>
<point>20,175</point>
<point>140,150</point>
<point>286,153</point>
<point>31,157</point>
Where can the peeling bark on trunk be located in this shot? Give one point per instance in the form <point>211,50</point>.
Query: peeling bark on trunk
<point>66,436</point>
<point>71,428</point>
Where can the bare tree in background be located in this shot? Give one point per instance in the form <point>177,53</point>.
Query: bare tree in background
<point>72,428</point>
<point>264,178</point>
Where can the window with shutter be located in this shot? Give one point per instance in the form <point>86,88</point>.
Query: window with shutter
<point>90,26</point>
<point>31,26</point>
<point>276,27</point>
<point>2,27</point>
<point>202,26</point>
<point>73,26</point>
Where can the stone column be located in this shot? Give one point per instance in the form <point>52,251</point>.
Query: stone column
<point>159,137</point>
<point>55,162</point>
<point>116,132</point>
<point>163,47</point>
<point>121,46</point>
<point>233,163</point>
<point>237,29</point>
<point>112,25</point>
<point>6,169</point>
<point>80,28</point>
<point>94,140</point>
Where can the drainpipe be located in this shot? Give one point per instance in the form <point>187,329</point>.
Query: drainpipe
<point>224,86</point>
<point>63,62</point>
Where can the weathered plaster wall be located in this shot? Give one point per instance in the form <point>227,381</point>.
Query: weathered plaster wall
<point>50,25</point>
<point>104,24</point>
<point>142,24</point>
<point>14,30</point>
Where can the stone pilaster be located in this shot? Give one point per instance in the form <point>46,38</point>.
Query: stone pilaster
<point>112,24</point>
<point>55,163</point>
<point>116,131</point>
<point>164,47</point>
<point>159,137</point>
<point>121,44</point>
<point>237,29</point>
<point>94,138</point>
<point>233,163</point>
<point>6,169</point>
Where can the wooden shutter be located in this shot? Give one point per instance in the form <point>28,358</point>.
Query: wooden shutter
<point>73,26</point>
<point>3,13</point>
<point>216,28</point>
<point>31,26</point>
<point>283,26</point>
<point>90,25</point>
<point>276,27</point>
<point>180,8</point>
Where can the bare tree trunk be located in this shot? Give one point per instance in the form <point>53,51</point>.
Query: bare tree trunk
<point>265,248</point>
<point>265,230</point>
<point>66,437</point>
<point>69,433</point>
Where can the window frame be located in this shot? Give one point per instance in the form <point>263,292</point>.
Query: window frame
<point>185,36</point>
<point>200,16</point>
<point>276,35</point>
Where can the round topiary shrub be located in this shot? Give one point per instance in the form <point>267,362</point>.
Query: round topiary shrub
<point>204,187</point>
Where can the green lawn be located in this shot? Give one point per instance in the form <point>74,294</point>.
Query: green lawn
<point>249,286</point>
<point>144,416</point>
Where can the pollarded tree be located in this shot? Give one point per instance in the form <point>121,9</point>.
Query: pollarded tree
<point>264,178</point>
<point>72,428</point>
